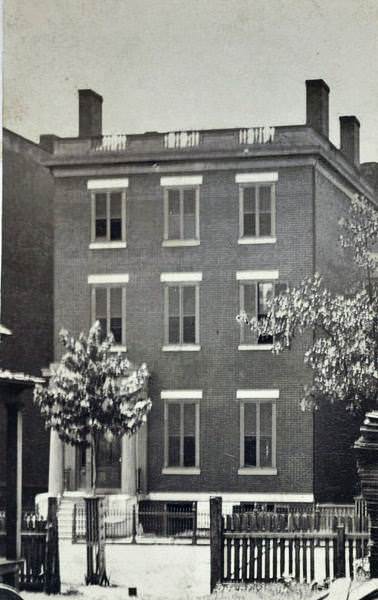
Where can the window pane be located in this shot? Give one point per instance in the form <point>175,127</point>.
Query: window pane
<point>174,300</point>
<point>189,451</point>
<point>189,232</point>
<point>173,330</point>
<point>116,302</point>
<point>265,224</point>
<point>100,228</point>
<point>115,229</point>
<point>249,199</point>
<point>189,330</point>
<point>189,202</point>
<point>265,202</point>
<point>250,418</point>
<point>189,435</point>
<point>115,205</point>
<point>100,206</point>
<point>250,451</point>
<point>174,411</point>
<point>189,419</point>
<point>265,434</point>
<point>173,451</point>
<point>173,434</point>
<point>265,293</point>
<point>249,289</point>
<point>100,303</point>
<point>174,214</point>
<point>189,299</point>
<point>249,226</point>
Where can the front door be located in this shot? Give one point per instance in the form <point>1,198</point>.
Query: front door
<point>109,464</point>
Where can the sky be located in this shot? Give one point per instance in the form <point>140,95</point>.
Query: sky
<point>165,65</point>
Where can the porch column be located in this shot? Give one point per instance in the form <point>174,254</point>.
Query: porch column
<point>128,465</point>
<point>141,444</point>
<point>56,465</point>
<point>14,481</point>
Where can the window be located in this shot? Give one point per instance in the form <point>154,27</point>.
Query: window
<point>109,218</point>
<point>181,453</point>
<point>181,210</point>
<point>257,207</point>
<point>258,435</point>
<point>254,299</point>
<point>109,306</point>
<point>257,210</point>
<point>181,299</point>
<point>108,200</point>
<point>181,214</point>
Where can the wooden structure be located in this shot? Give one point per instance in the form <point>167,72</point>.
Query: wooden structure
<point>245,548</point>
<point>12,386</point>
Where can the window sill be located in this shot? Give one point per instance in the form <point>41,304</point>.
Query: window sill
<point>181,348</point>
<point>181,471</point>
<point>257,471</point>
<point>255,346</point>
<point>117,348</point>
<point>258,240</point>
<point>178,243</point>
<point>107,245</point>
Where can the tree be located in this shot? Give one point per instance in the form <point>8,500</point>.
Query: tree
<point>94,392</point>
<point>344,349</point>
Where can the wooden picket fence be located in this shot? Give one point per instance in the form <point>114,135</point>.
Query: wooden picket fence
<point>271,546</point>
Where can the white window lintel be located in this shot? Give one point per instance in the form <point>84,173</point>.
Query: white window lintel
<point>257,394</point>
<point>178,180</point>
<point>259,177</point>
<point>180,277</point>
<point>257,275</point>
<point>104,184</point>
<point>181,394</point>
<point>108,278</point>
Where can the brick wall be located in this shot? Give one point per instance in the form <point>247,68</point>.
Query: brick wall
<point>27,305</point>
<point>219,369</point>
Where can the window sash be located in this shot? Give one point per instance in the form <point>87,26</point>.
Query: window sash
<point>182,314</point>
<point>257,211</point>
<point>108,316</point>
<point>108,217</point>
<point>181,403</point>
<point>245,333</point>
<point>258,403</point>
<point>181,213</point>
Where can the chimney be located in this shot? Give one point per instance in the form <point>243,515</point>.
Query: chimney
<point>350,139</point>
<point>90,114</point>
<point>317,113</point>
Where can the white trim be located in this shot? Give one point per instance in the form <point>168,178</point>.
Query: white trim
<point>174,243</point>
<point>118,348</point>
<point>180,277</point>
<point>108,278</point>
<point>104,184</point>
<point>257,471</point>
<point>181,394</point>
<point>106,245</point>
<point>257,240</point>
<point>178,180</point>
<point>255,347</point>
<point>257,275</point>
<point>181,348</point>
<point>234,497</point>
<point>258,394</point>
<point>181,471</point>
<point>256,177</point>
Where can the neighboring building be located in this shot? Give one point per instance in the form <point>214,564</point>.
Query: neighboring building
<point>164,237</point>
<point>26,301</point>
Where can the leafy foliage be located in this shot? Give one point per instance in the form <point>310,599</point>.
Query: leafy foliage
<point>94,391</point>
<point>343,354</point>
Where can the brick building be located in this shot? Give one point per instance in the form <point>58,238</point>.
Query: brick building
<point>26,301</point>
<point>164,237</point>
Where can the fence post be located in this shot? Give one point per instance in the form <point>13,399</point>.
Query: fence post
<point>133,526</point>
<point>74,537</point>
<point>194,521</point>
<point>340,551</point>
<point>52,570</point>
<point>216,542</point>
